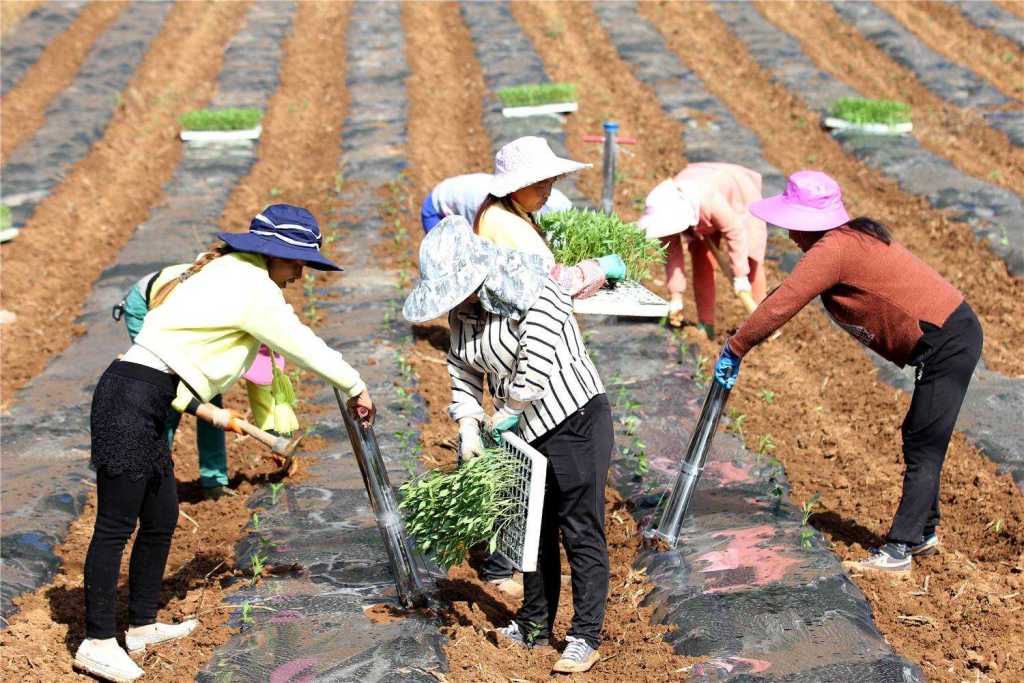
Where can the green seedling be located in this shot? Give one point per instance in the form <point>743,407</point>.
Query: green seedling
<point>768,396</point>
<point>221,119</point>
<point>806,536</point>
<point>996,526</point>
<point>580,234</point>
<point>862,110</point>
<point>275,489</point>
<point>766,445</point>
<point>534,632</point>
<point>700,372</point>
<point>257,564</point>
<point>5,217</point>
<point>449,512</point>
<point>736,420</point>
<point>630,423</point>
<point>537,94</point>
<point>247,612</point>
<point>256,521</point>
<point>808,508</point>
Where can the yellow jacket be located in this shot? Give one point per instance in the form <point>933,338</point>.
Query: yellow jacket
<point>210,328</point>
<point>507,229</point>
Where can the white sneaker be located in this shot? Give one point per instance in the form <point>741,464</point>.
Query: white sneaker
<point>137,638</point>
<point>106,659</point>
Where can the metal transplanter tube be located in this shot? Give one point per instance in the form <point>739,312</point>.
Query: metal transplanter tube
<point>385,507</point>
<point>691,466</point>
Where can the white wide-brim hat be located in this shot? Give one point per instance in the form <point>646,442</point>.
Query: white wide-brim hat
<point>526,161</point>
<point>671,208</point>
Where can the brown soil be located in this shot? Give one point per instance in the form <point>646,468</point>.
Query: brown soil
<point>960,135</point>
<point>40,642</point>
<point>567,37</point>
<point>945,29</point>
<point>792,139</point>
<point>23,106</point>
<point>1012,6</point>
<point>438,148</point>
<point>13,11</point>
<point>106,195</point>
<point>836,429</point>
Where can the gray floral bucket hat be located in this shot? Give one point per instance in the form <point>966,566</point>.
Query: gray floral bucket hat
<point>455,263</point>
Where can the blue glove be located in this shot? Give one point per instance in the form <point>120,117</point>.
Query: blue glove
<point>727,369</point>
<point>613,266</point>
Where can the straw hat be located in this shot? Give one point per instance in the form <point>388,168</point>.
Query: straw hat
<point>526,161</point>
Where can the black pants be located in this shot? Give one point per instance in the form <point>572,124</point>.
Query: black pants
<point>128,421</point>
<point>945,358</point>
<point>578,452</point>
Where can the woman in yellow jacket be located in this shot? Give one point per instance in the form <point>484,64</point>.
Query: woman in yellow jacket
<point>203,333</point>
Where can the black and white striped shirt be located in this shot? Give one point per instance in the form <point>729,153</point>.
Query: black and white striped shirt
<point>540,360</point>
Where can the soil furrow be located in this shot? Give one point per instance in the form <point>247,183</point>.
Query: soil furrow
<point>23,108</point>
<point>943,28</point>
<point>202,570</point>
<point>13,12</point>
<point>607,91</point>
<point>106,195</point>
<point>36,30</point>
<point>836,428</point>
<point>1012,6</point>
<point>960,135</point>
<point>792,139</point>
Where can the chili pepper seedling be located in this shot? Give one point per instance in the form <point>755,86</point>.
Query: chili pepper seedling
<point>221,119</point>
<point>577,235</point>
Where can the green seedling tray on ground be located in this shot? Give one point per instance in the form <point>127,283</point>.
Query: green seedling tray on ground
<point>882,117</point>
<point>539,98</point>
<point>221,125</point>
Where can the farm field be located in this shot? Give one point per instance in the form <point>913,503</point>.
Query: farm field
<point>365,107</point>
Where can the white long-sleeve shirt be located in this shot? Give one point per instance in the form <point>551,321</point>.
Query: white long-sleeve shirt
<point>540,360</point>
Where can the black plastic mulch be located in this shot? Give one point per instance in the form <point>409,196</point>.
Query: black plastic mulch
<point>25,42</point>
<point>992,17</point>
<point>310,623</point>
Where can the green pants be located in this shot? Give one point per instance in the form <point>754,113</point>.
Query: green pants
<point>213,454</point>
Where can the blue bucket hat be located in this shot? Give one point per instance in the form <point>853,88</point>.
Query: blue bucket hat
<point>282,231</point>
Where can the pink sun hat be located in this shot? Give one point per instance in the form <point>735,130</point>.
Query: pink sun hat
<point>260,371</point>
<point>812,202</point>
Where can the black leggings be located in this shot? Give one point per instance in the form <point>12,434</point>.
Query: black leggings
<point>578,452</point>
<point>945,358</point>
<point>129,406</point>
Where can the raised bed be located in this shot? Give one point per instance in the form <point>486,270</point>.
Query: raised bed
<point>992,17</point>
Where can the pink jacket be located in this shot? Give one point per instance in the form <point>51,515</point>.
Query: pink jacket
<point>725,192</point>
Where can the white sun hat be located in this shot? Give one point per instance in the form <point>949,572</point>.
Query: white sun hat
<point>526,161</point>
<point>671,207</point>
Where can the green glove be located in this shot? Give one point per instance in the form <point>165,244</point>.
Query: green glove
<point>613,266</point>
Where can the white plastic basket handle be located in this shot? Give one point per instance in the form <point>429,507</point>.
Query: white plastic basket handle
<point>521,539</point>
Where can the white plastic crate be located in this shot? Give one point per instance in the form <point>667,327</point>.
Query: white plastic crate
<point>626,298</point>
<point>520,537</point>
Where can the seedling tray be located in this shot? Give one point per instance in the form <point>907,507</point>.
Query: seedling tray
<point>539,110</point>
<point>221,135</point>
<point>869,128</point>
<point>627,298</point>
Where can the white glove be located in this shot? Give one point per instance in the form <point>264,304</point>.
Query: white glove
<point>740,284</point>
<point>470,444</point>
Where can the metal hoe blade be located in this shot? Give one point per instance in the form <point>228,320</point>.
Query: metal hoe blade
<point>691,466</point>
<point>385,507</point>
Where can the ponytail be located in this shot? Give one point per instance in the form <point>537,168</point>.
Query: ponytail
<point>871,227</point>
<point>204,258</point>
<point>505,203</point>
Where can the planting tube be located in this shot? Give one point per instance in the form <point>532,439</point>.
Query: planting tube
<point>691,466</point>
<point>611,129</point>
<point>382,500</point>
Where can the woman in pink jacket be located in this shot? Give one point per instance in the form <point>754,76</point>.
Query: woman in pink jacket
<point>712,199</point>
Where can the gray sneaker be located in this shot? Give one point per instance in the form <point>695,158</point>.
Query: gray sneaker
<point>513,634</point>
<point>928,546</point>
<point>891,557</point>
<point>577,657</point>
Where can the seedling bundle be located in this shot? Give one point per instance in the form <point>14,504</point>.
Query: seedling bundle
<point>497,498</point>
<point>580,234</point>
<point>217,125</point>
<point>538,98</point>
<point>885,117</point>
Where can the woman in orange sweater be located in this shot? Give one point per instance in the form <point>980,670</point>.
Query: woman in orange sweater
<point>896,305</point>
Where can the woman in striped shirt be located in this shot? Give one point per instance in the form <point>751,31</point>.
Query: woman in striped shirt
<point>513,325</point>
